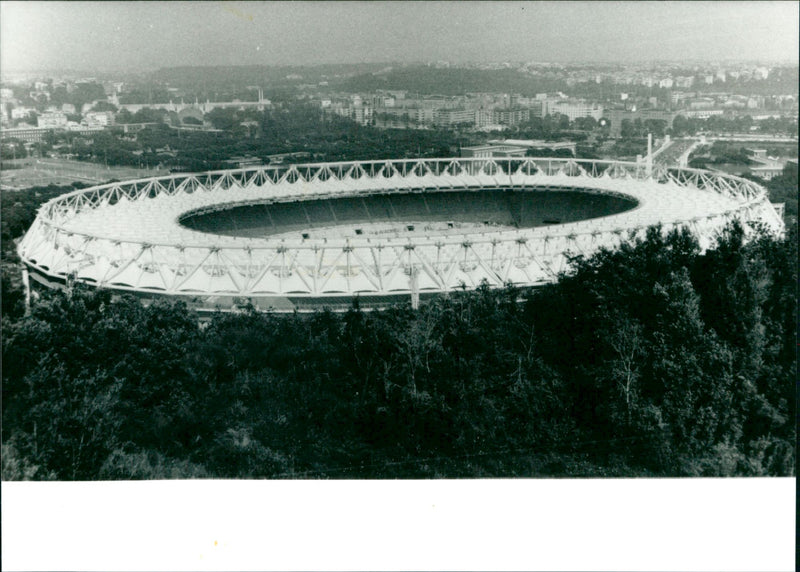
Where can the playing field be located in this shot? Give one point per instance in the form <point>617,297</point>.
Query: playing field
<point>405,214</point>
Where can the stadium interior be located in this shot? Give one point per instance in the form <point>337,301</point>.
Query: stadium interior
<point>406,213</point>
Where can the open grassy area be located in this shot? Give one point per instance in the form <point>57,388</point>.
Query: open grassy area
<point>29,172</point>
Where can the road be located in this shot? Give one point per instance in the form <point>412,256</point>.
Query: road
<point>752,138</point>
<point>675,153</point>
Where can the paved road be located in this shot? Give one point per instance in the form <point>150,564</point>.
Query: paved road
<point>752,138</point>
<point>672,155</point>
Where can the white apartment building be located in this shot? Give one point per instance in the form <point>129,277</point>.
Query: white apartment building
<point>52,120</point>
<point>21,112</point>
<point>99,118</point>
<point>361,115</point>
<point>574,109</point>
<point>511,116</point>
<point>451,117</point>
<point>484,117</point>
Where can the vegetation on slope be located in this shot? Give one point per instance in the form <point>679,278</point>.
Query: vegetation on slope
<point>652,359</point>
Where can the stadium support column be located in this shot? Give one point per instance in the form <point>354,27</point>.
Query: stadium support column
<point>26,282</point>
<point>649,162</point>
<point>414,287</point>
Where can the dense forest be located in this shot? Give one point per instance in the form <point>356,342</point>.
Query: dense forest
<point>653,359</point>
<point>783,189</point>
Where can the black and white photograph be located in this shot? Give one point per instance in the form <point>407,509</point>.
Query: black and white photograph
<point>399,250</point>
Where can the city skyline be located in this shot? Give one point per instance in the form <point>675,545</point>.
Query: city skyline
<point>141,36</point>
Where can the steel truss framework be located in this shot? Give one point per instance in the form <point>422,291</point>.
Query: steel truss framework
<point>127,235</point>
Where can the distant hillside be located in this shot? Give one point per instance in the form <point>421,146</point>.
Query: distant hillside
<point>192,76</point>
<point>430,80</point>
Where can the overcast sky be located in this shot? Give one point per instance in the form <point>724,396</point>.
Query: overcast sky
<point>148,35</point>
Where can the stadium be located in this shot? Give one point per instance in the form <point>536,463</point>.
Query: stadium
<point>298,237</point>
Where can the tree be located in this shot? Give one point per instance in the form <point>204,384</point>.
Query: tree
<point>626,341</point>
<point>104,106</point>
<point>148,115</point>
<point>124,116</point>
<point>223,118</point>
<point>627,128</point>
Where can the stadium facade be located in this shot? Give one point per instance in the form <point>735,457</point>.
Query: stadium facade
<point>294,237</point>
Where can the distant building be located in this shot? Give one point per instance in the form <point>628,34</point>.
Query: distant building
<point>493,151</point>
<point>575,109</point>
<point>361,115</point>
<point>484,117</point>
<point>536,144</point>
<point>382,100</point>
<point>281,157</point>
<point>243,162</point>
<point>767,167</point>
<point>538,108</point>
<point>702,103</point>
<point>21,112</point>
<point>702,113</point>
<point>511,116</point>
<point>452,117</point>
<point>767,172</point>
<point>520,101</point>
<point>677,97</point>
<point>52,120</point>
<point>397,94</point>
<point>25,134</point>
<point>99,118</point>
